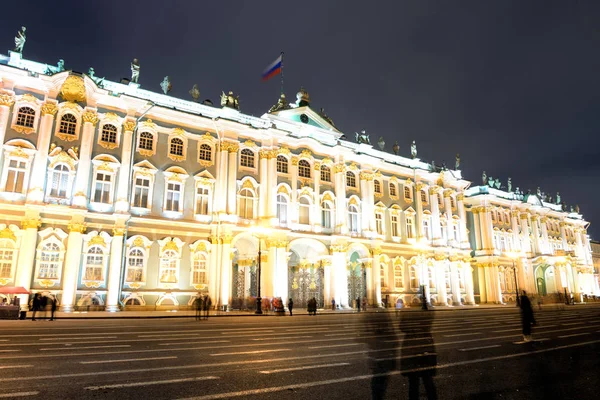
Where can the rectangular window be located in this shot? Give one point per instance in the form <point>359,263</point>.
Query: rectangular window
<point>325,174</point>
<point>103,188</point>
<point>141,192</point>
<point>394,225</point>
<point>6,256</point>
<point>16,176</point>
<point>393,189</point>
<point>410,228</point>
<point>201,200</point>
<point>426,231</point>
<point>379,223</point>
<point>423,197</point>
<point>173,196</point>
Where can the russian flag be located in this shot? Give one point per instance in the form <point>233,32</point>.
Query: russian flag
<point>273,69</point>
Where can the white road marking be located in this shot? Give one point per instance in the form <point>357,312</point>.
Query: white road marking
<point>18,394</point>
<point>203,342</point>
<point>480,347</point>
<point>334,345</point>
<point>146,383</point>
<point>518,329</point>
<point>573,335</point>
<point>464,334</point>
<point>302,368</point>
<point>171,336</point>
<point>371,376</point>
<point>406,356</point>
<point>127,360</point>
<point>249,352</point>
<point>15,366</point>
<point>281,338</point>
<point>8,351</point>
<point>85,347</point>
<point>54,339</point>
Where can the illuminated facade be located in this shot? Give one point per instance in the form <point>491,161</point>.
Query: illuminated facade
<point>119,197</point>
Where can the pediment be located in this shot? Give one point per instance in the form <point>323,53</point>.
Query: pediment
<point>306,115</point>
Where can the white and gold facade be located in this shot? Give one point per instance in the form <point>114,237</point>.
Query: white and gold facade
<point>118,197</point>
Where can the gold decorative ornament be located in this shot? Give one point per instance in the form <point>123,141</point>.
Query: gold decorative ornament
<point>247,184</point>
<point>460,197</point>
<point>105,167</point>
<point>47,283</point>
<point>6,233</point>
<point>178,132</point>
<point>376,251</point>
<point>118,231</point>
<point>92,284</point>
<point>340,167</point>
<point>306,153</point>
<point>295,160</point>
<point>353,167</point>
<point>317,166</point>
<point>146,153</point>
<point>284,150</point>
<point>448,193</point>
<point>176,158</point>
<point>138,242</point>
<point>200,247</point>
<point>18,152</point>
<point>31,223</point>
<point>97,240</point>
<point>91,117</point>
<point>250,143</point>
<point>23,129</point>
<point>149,124</point>
<point>226,239</point>
<point>49,109</point>
<point>327,197</point>
<point>264,154</point>
<point>6,99</point>
<point>366,176</point>
<point>29,98</point>
<point>170,245</point>
<point>420,185</point>
<point>78,227</point>
<point>73,89</point>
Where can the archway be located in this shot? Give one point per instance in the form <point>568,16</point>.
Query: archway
<point>357,277</point>
<point>306,271</point>
<point>244,271</point>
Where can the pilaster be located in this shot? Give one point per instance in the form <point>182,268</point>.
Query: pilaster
<point>114,269</point>
<point>230,179</point>
<point>38,179</point>
<point>82,180</point>
<point>122,205</point>
<point>27,251</point>
<point>72,263</point>
<point>340,275</point>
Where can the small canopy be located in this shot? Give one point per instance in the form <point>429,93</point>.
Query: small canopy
<point>13,290</point>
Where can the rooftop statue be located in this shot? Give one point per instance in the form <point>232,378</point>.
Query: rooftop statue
<point>281,104</point>
<point>92,74</point>
<point>396,148</point>
<point>229,100</point>
<point>433,165</point>
<point>20,40</point>
<point>484,178</point>
<point>135,71</point>
<point>577,208</point>
<point>195,92</point>
<point>166,85</point>
<point>362,137</point>
<point>539,192</point>
<point>518,191</point>
<point>326,117</point>
<point>509,184</point>
<point>557,198</point>
<point>413,149</point>
<point>381,143</point>
<point>60,67</point>
<point>457,163</point>
<point>491,182</point>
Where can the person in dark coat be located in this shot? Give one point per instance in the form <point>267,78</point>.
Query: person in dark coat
<point>198,305</point>
<point>207,305</point>
<point>290,306</point>
<point>358,303</point>
<point>333,304</point>
<point>36,304</point>
<point>53,305</point>
<point>527,318</point>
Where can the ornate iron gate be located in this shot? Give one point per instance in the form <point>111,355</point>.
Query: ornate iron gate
<point>304,284</point>
<point>240,291</point>
<point>357,281</point>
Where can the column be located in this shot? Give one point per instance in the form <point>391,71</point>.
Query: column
<point>38,178</point>
<point>576,284</point>
<point>448,215</point>
<point>545,245</point>
<point>366,214</point>
<point>525,240</point>
<point>578,244</point>
<point>72,263</point>
<point>229,163</point>
<point>440,272</point>
<point>340,275</point>
<point>82,180</point>
<point>455,284</point>
<point>468,274</point>
<point>476,226</point>
<point>293,208</point>
<point>213,279</point>
<point>563,236</point>
<point>114,270</point>
<point>376,273</point>
<point>370,281</point>
<point>263,183</point>
<point>536,235</point>
<point>419,211</point>
<point>316,211</point>
<point>268,276</point>
<point>281,271</point>
<point>225,269</point>
<point>482,283</point>
<point>27,253</point>
<point>7,99</point>
<point>327,287</point>
<point>272,182</point>
<point>122,205</point>
<point>436,232</point>
<point>220,196</point>
<point>464,237</point>
<point>486,228</point>
<point>514,214</point>
<point>340,199</point>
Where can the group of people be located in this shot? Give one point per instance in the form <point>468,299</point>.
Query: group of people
<point>41,304</point>
<point>202,306</point>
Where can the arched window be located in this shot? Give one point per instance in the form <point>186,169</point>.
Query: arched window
<point>407,193</point>
<point>205,152</point>
<point>282,210</point>
<point>303,169</point>
<point>94,264</point>
<point>304,211</point>
<point>414,283</point>
<point>146,141</point>
<point>350,179</point>
<point>109,134</point>
<point>325,173</point>
<point>176,147</point>
<point>282,164</point>
<point>393,191</point>
<point>382,276</point>
<point>59,181</point>
<point>353,219</point>
<point>247,158</point>
<point>68,124</point>
<point>377,186</point>
<point>49,261</point>
<point>246,204</point>
<point>326,215</point>
<point>168,267</point>
<point>7,251</point>
<point>424,197</point>
<point>199,269</point>
<point>379,223</point>
<point>398,277</point>
<point>135,265</point>
<point>25,117</point>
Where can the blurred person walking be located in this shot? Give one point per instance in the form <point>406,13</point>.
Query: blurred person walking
<point>290,306</point>
<point>527,318</point>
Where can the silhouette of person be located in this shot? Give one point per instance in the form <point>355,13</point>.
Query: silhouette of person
<point>380,362</point>
<point>527,318</point>
<point>290,306</point>
<point>35,305</point>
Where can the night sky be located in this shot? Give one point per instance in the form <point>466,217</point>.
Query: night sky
<point>513,86</point>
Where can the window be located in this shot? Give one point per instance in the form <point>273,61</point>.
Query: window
<point>94,264</point>
<point>393,191</point>
<point>173,198</point>
<point>205,152</point>
<point>350,179</point>
<point>440,199</point>
<point>493,216</point>
<point>247,158</point>
<point>379,223</point>
<point>455,232</point>
<point>246,204</point>
<point>176,147</point>
<point>202,200</point>
<point>282,164</point>
<point>325,173</point>
<point>407,193</point>
<point>304,211</point>
<point>394,225</point>
<point>26,117</point>
<point>109,134</point>
<point>426,228</point>
<point>68,124</point>
<point>135,265</point>
<point>377,187</point>
<point>168,267</point>
<point>326,215</point>
<point>103,188</point>
<point>141,192</point>
<point>423,197</point>
<point>452,202</point>
<point>398,277</point>
<point>303,169</point>
<point>6,258</point>
<point>353,218</point>
<point>146,141</point>
<point>199,269</point>
<point>49,261</point>
<point>410,227</point>
<point>282,209</point>
<point>59,181</point>
<point>16,176</point>
<point>414,284</point>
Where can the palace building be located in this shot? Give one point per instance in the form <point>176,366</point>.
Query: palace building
<point>120,198</point>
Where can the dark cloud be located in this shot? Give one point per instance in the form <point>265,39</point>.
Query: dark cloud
<point>512,86</point>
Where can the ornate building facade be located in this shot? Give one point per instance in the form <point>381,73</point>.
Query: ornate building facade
<point>121,198</point>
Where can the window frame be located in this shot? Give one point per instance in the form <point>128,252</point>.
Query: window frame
<point>325,172</point>
<point>18,154</point>
<point>144,151</point>
<point>351,180</point>
<point>117,132</point>
<point>304,169</point>
<point>282,164</point>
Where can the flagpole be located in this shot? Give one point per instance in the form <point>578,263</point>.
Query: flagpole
<point>282,72</point>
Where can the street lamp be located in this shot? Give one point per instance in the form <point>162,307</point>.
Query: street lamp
<point>259,233</point>
<point>513,256</point>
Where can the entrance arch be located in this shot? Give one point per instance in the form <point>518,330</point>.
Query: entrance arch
<point>306,271</point>
<point>244,271</point>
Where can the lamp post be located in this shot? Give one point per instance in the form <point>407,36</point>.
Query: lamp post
<point>513,256</point>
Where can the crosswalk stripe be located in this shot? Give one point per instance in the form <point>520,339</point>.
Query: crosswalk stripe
<point>302,368</point>
<point>147,383</point>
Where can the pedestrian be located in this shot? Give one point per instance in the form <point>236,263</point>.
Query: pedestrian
<point>35,305</point>
<point>358,303</point>
<point>364,304</point>
<point>53,305</point>
<point>198,305</point>
<point>290,306</point>
<point>207,305</point>
<point>527,318</point>
<point>332,304</point>
<point>44,306</point>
